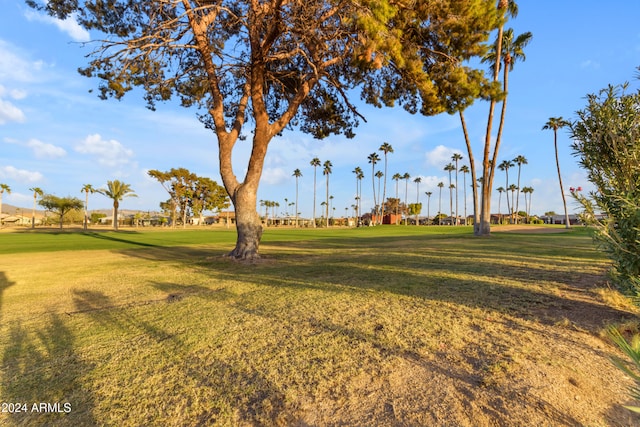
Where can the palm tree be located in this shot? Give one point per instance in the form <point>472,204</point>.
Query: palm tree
<point>465,170</point>
<point>397,177</point>
<point>357,171</point>
<point>373,159</point>
<point>456,157</point>
<point>519,160</point>
<point>418,180</point>
<point>511,51</point>
<point>406,177</point>
<point>556,123</point>
<point>297,174</point>
<point>513,189</point>
<point>440,185</point>
<point>529,205</point>
<point>386,148</point>
<point>526,191</point>
<point>500,190</point>
<point>86,189</point>
<point>428,193</point>
<point>450,168</point>
<point>3,188</point>
<point>116,191</point>
<point>315,162</point>
<point>37,191</point>
<point>504,166</point>
<point>379,207</point>
<point>327,171</point>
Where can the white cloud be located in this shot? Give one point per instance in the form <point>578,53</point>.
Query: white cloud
<point>110,153</point>
<point>10,113</point>
<point>17,67</point>
<point>274,176</point>
<point>20,175</point>
<point>43,150</point>
<point>441,156</point>
<point>69,26</point>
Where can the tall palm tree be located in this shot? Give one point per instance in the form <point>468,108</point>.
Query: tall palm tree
<point>418,180</point>
<point>380,207</point>
<point>440,185</point>
<point>504,166</point>
<point>456,158</point>
<point>501,52</point>
<point>529,206</point>
<point>406,177</point>
<point>3,188</point>
<point>465,170</point>
<point>315,162</point>
<point>500,191</point>
<point>511,50</point>
<point>327,171</point>
<point>357,171</point>
<point>428,193</point>
<point>397,177</point>
<point>116,191</point>
<point>373,159</point>
<point>519,160</point>
<point>450,168</point>
<point>386,148</point>
<point>86,189</point>
<point>514,213</point>
<point>360,177</point>
<point>37,191</point>
<point>297,174</point>
<point>526,191</point>
<point>556,123</point>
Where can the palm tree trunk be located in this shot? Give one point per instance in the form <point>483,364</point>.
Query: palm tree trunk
<point>115,215</point>
<point>518,196</point>
<point>472,166</point>
<point>314,195</point>
<point>564,200</point>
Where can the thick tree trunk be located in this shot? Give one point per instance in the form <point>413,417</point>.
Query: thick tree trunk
<point>248,224</point>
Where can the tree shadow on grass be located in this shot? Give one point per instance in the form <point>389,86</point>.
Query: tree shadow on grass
<point>502,286</point>
<point>42,368</point>
<point>233,390</point>
<point>5,283</point>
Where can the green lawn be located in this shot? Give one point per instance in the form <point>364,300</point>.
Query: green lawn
<point>372,326</point>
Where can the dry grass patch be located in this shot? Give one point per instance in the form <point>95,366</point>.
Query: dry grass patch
<point>348,327</point>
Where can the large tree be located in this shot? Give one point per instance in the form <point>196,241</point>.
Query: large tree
<point>60,205</point>
<point>190,193</point>
<point>255,67</point>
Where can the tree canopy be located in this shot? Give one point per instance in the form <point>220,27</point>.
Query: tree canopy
<point>60,205</point>
<point>189,193</point>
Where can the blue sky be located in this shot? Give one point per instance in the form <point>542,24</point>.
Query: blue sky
<point>56,135</point>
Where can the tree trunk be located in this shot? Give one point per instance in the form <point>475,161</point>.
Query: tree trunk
<point>115,215</point>
<point>564,199</point>
<point>248,224</point>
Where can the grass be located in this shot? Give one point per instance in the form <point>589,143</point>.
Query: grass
<point>157,328</point>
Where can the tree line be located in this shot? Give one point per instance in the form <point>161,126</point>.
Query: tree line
<point>189,196</point>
